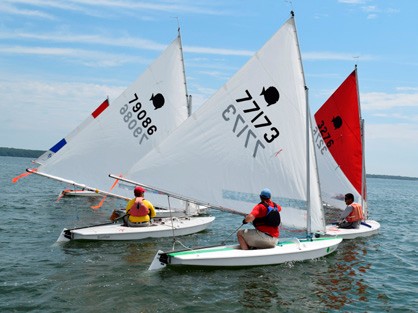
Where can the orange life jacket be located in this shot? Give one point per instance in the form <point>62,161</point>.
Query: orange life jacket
<point>138,209</point>
<point>356,214</point>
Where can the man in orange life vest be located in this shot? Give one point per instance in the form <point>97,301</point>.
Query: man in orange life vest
<point>265,217</point>
<point>352,215</point>
<point>138,210</point>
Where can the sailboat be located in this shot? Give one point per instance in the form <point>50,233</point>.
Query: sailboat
<point>252,133</point>
<point>119,133</point>
<point>79,193</point>
<point>339,143</point>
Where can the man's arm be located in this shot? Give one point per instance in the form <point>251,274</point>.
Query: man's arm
<point>346,212</point>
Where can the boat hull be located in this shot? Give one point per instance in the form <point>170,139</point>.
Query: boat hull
<point>363,231</point>
<point>160,229</point>
<point>287,250</point>
<point>80,193</point>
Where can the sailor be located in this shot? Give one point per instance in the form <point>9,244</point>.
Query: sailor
<point>352,215</point>
<point>138,210</point>
<point>265,217</point>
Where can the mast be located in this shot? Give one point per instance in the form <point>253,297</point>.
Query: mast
<point>308,168</point>
<point>363,163</point>
<point>188,97</point>
<point>308,173</point>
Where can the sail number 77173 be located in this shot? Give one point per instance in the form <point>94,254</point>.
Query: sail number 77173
<point>241,126</point>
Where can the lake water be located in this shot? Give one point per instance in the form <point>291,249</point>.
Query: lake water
<point>376,274</point>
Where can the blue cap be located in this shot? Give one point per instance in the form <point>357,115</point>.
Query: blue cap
<point>265,193</point>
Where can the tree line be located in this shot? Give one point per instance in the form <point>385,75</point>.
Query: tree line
<point>24,153</point>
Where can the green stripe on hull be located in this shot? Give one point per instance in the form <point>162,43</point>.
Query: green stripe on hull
<point>200,251</point>
<point>228,248</point>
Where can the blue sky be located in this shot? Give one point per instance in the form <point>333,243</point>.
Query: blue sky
<point>60,59</point>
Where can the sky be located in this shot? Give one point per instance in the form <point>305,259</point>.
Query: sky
<point>60,59</point>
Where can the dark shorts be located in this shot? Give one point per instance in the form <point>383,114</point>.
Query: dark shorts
<point>128,223</point>
<point>348,225</point>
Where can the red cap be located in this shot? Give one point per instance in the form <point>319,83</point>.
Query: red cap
<point>139,189</point>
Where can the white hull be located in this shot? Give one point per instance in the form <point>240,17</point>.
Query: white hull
<point>287,250</point>
<point>164,228</point>
<point>363,231</point>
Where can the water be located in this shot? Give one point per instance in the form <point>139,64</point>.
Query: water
<point>376,274</point>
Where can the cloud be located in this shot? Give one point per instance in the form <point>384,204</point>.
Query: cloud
<point>313,56</point>
<point>49,105</point>
<point>384,101</point>
<point>197,7</point>
<point>12,10</point>
<point>125,41</point>
<point>398,116</point>
<point>372,16</point>
<point>83,56</point>
<point>391,149</point>
<point>407,88</point>
<point>86,6</point>
<point>369,8</point>
<point>352,1</point>
<point>407,133</point>
<point>218,51</point>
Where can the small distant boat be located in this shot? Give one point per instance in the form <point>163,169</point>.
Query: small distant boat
<point>79,193</point>
<point>339,143</point>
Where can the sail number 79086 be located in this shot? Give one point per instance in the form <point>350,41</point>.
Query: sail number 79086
<point>137,120</point>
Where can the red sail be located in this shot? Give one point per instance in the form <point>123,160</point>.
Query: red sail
<point>338,121</point>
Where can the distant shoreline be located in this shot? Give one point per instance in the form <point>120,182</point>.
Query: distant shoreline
<point>26,153</point>
<point>391,177</point>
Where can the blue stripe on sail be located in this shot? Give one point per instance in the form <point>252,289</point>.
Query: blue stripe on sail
<point>58,145</point>
<point>254,198</point>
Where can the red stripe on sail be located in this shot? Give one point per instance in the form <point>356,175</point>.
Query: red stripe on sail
<point>338,121</point>
<point>100,109</point>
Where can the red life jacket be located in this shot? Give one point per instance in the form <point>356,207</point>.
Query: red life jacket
<point>356,214</point>
<point>138,209</point>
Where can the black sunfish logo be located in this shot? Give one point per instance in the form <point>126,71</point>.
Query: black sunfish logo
<point>337,121</point>
<point>157,101</point>
<point>271,95</point>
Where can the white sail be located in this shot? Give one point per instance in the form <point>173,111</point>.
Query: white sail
<point>334,184</point>
<point>119,134</point>
<point>249,135</point>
